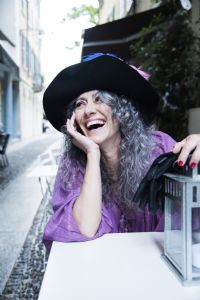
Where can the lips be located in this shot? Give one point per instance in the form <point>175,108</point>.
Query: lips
<point>94,124</point>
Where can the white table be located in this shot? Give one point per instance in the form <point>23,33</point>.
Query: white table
<point>122,266</point>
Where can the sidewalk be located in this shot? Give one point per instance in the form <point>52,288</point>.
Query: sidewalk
<point>21,154</point>
<point>20,199</point>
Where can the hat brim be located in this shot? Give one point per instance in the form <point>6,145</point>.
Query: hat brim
<point>105,73</point>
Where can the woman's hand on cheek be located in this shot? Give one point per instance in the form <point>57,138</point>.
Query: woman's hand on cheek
<point>80,140</point>
<point>192,142</point>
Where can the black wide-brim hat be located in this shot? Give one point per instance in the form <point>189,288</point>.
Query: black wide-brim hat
<point>106,73</point>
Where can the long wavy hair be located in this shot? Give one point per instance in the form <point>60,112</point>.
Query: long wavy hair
<point>135,148</point>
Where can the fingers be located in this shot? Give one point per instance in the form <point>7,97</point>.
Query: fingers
<point>76,137</point>
<point>72,121</point>
<point>192,142</point>
<point>71,127</point>
<point>178,146</point>
<point>195,159</point>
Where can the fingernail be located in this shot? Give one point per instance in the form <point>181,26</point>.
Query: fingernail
<point>193,165</point>
<point>180,163</point>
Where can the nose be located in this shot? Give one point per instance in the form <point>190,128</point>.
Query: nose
<point>90,108</point>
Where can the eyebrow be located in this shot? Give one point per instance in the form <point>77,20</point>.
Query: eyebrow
<point>80,98</point>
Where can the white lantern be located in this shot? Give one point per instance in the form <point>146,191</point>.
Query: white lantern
<point>182,225</point>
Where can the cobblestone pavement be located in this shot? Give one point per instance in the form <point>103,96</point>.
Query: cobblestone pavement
<point>22,155</point>
<point>27,274</point>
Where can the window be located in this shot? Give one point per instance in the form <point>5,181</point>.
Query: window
<point>23,49</point>
<point>128,4</point>
<point>122,11</point>
<point>32,63</point>
<point>26,54</point>
<point>24,7</point>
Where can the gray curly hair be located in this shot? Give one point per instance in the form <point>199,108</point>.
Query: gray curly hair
<point>135,148</point>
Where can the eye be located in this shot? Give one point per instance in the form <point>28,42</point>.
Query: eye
<point>79,103</point>
<point>98,99</point>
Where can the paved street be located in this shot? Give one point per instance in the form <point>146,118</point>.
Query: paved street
<point>22,154</point>
<point>20,197</point>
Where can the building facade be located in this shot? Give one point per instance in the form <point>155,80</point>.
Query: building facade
<point>20,76</point>
<point>111,10</point>
<point>30,69</point>
<point>9,68</point>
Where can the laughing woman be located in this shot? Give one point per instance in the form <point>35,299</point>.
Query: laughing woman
<point>106,110</point>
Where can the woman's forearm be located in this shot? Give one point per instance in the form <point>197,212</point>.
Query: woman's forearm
<point>87,208</point>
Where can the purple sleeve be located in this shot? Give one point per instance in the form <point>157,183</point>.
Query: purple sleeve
<point>62,227</point>
<point>163,143</point>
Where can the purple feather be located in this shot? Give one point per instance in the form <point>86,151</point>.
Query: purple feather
<point>97,54</point>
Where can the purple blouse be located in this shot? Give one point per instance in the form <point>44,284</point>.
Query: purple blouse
<point>63,228</point>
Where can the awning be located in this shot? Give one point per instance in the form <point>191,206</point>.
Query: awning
<point>7,64</point>
<point>117,36</point>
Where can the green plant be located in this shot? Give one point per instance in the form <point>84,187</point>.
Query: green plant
<point>170,52</point>
<point>84,10</point>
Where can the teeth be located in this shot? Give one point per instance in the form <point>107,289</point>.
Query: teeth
<point>89,124</point>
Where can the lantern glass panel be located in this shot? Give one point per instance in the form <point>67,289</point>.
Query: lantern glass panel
<point>196,240</point>
<point>174,244</point>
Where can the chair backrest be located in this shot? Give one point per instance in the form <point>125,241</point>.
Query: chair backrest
<point>4,142</point>
<point>49,157</point>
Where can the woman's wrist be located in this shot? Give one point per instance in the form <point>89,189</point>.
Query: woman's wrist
<point>94,153</point>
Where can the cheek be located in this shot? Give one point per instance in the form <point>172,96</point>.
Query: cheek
<point>115,123</point>
<point>78,118</point>
<point>113,126</point>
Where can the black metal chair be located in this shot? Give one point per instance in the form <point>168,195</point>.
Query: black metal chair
<point>4,138</point>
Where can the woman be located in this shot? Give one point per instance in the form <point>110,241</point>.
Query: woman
<point>108,108</point>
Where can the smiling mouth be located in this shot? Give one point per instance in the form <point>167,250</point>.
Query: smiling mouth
<point>93,125</point>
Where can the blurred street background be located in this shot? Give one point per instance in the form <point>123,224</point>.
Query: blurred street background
<point>20,198</point>
<point>38,38</point>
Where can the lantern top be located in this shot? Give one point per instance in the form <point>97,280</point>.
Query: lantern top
<point>184,178</point>
<point>185,173</point>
